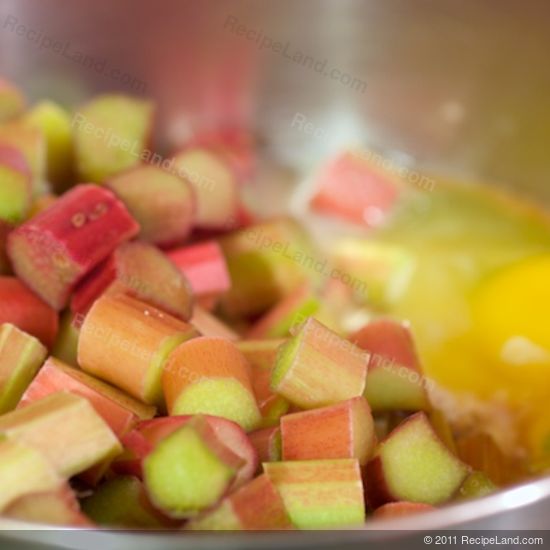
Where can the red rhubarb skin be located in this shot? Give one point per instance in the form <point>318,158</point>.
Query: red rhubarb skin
<point>377,490</point>
<point>51,380</point>
<point>389,340</point>
<point>349,187</point>
<point>85,225</point>
<point>204,266</point>
<point>22,308</point>
<point>13,159</point>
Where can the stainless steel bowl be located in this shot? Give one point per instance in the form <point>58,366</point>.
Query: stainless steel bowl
<point>457,87</point>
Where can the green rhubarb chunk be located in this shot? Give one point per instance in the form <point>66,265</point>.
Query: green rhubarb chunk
<point>183,476</point>
<point>223,397</point>
<point>110,135</point>
<point>122,502</point>
<point>21,355</point>
<point>476,485</point>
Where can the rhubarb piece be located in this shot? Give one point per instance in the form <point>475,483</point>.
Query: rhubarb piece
<point>267,443</point>
<point>266,262</point>
<point>20,307</point>
<point>123,502</point>
<point>110,135</point>
<point>352,188</point>
<point>12,101</point>
<point>189,470</point>
<point>15,185</point>
<point>401,509</point>
<point>66,343</point>
<point>413,464</point>
<point>382,271</point>
<point>210,376</point>
<point>261,355</point>
<point>53,251</point>
<point>209,325</point>
<point>317,368</point>
<point>118,410</point>
<point>476,485</point>
<point>140,270</point>
<point>235,145</point>
<point>257,506</point>
<point>55,124</point>
<point>149,433</point>
<point>395,377</point>
<point>480,451</point>
<point>81,440</point>
<point>23,470</point>
<point>320,494</point>
<point>204,266</point>
<point>126,342</point>
<point>4,263</point>
<point>31,144</point>
<point>21,355</point>
<point>278,321</point>
<point>214,185</point>
<point>161,202</point>
<point>344,430</point>
<point>56,507</point>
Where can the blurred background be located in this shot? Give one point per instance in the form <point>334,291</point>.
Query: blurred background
<point>460,87</point>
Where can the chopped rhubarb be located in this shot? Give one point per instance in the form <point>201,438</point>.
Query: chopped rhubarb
<point>15,185</point>
<point>257,506</point>
<point>81,440</point>
<point>56,507</point>
<point>204,266</point>
<point>123,502</point>
<point>126,342</point>
<point>55,124</point>
<point>12,101</point>
<point>189,470</point>
<point>320,494</point>
<point>149,433</point>
<point>20,307</point>
<point>30,142</point>
<point>262,355</point>
<point>140,270</point>
<point>278,321</point>
<point>21,355</point>
<point>111,134</point>
<point>344,430</point>
<point>476,485</point>
<point>209,325</point>
<point>23,470</point>
<point>210,376</point>
<point>54,250</point>
<point>236,145</point>
<point>395,379</point>
<point>266,262</point>
<point>412,464</point>
<point>162,203</point>
<point>352,188</point>
<point>120,411</point>
<point>267,442</point>
<point>214,184</point>
<point>317,367</point>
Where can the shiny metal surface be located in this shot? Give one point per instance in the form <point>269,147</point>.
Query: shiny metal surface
<point>461,87</point>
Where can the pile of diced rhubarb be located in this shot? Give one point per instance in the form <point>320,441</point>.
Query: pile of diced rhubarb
<point>168,361</point>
